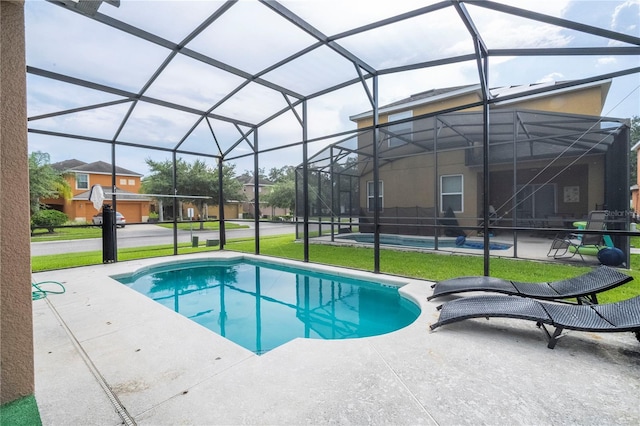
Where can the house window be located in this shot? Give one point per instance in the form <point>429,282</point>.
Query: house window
<point>370,196</point>
<point>82,181</point>
<point>401,133</point>
<point>132,182</point>
<point>123,182</point>
<point>451,193</point>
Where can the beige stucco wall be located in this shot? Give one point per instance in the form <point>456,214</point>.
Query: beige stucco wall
<point>16,325</point>
<point>588,101</point>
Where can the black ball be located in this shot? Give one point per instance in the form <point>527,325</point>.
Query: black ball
<point>611,256</point>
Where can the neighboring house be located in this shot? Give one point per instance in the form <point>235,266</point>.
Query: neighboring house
<point>550,155</point>
<point>82,176</point>
<point>232,210</point>
<point>264,187</point>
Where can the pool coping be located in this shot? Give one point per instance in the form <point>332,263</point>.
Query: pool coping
<point>166,369</point>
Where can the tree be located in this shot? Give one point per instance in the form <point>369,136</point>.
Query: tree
<point>280,174</point>
<point>192,179</point>
<point>48,219</point>
<point>282,195</point>
<point>283,192</point>
<point>45,181</point>
<point>633,158</point>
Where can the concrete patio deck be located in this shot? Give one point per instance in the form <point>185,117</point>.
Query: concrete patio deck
<point>102,345</point>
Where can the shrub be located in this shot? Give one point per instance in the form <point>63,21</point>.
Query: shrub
<point>48,219</point>
<point>153,217</point>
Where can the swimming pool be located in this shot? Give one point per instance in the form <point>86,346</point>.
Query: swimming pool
<point>261,305</point>
<point>422,242</point>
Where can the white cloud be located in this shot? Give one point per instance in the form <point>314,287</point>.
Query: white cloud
<point>554,76</point>
<point>626,18</point>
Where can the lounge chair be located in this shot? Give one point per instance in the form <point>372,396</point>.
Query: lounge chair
<point>614,317</point>
<point>583,287</point>
<point>579,243</point>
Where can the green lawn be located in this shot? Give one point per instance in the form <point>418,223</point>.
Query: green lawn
<point>70,260</point>
<point>71,233</point>
<point>428,266</point>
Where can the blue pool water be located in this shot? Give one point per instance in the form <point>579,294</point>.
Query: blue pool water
<point>261,305</point>
<point>422,242</point>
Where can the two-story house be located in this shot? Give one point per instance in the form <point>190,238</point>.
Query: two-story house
<point>264,188</point>
<point>82,176</point>
<point>551,155</point>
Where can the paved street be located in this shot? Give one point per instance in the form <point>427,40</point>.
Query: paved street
<point>149,235</point>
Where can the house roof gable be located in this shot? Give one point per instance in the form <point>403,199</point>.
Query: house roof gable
<point>97,167</point>
<point>67,164</point>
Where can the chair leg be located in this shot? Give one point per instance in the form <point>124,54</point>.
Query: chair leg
<point>552,339</point>
<point>557,245</point>
<point>590,299</point>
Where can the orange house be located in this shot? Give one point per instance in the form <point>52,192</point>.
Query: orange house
<point>82,176</point>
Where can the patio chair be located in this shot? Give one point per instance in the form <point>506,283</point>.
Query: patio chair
<point>583,287</point>
<point>615,317</point>
<point>580,243</point>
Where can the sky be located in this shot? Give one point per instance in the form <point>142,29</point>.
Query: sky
<point>251,38</point>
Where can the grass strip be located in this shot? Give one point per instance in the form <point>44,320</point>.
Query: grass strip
<point>71,260</point>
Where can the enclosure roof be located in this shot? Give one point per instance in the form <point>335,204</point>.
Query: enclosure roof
<point>200,77</point>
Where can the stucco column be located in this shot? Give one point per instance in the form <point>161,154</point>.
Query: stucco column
<point>16,323</point>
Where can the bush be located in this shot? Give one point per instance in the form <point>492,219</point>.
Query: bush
<point>48,219</point>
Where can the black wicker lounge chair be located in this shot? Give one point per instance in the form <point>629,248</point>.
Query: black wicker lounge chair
<point>584,287</point>
<point>614,317</point>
